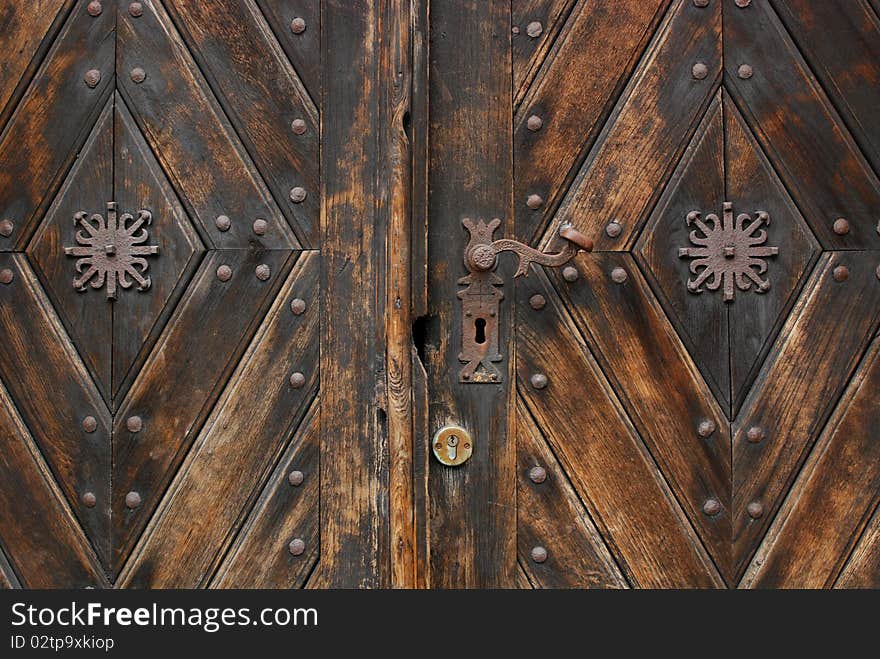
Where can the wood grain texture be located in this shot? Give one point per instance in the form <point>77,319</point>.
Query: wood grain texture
<point>799,129</point>
<point>573,93</point>
<point>182,378</point>
<point>41,538</point>
<point>262,95</point>
<point>260,556</point>
<point>191,137</point>
<point>527,51</point>
<point>834,495</point>
<point>303,49</point>
<point>650,127</point>
<point>805,373</point>
<point>8,580</point>
<point>53,119</point>
<point>863,568</point>
<point>549,514</point>
<point>54,393</point>
<point>472,517</point>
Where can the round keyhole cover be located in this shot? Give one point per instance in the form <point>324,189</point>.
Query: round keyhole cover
<point>452,445</point>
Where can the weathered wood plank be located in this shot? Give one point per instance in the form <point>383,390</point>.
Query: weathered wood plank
<point>863,568</point>
<point>472,517</point>
<point>529,47</point>
<point>303,48</point>
<point>8,580</point>
<point>589,431</point>
<point>550,515</point>
<point>44,542</point>
<point>649,129</point>
<point>802,378</point>
<point>261,556</point>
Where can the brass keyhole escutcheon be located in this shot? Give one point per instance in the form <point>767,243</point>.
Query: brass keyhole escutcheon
<point>452,445</point>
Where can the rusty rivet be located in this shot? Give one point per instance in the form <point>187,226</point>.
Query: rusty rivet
<point>6,227</point>
<point>755,509</point>
<point>570,273</point>
<point>134,424</point>
<point>298,25</point>
<point>297,195</point>
<point>94,8</point>
<point>743,3</point>
<point>296,546</point>
<point>841,226</point>
<point>132,500</point>
<point>6,276</point>
<point>539,554</point>
<point>534,201</point>
<point>263,272</point>
<point>537,302</point>
<point>295,478</point>
<point>90,424</point>
<point>298,306</point>
<point>841,273</point>
<point>539,381</point>
<point>699,70</point>
<point>755,434</point>
<point>224,273</point>
<point>136,9</point>
<point>712,507</point>
<point>618,275</point>
<point>514,29</point>
<point>706,428</point>
<point>222,222</point>
<point>613,229</point>
<point>298,126</point>
<point>138,75</point>
<point>534,123</point>
<point>92,78</point>
<point>89,499</point>
<point>877,271</point>
<point>297,380</point>
<point>260,227</point>
<point>537,474</point>
<point>534,29</point>
<point>701,3</point>
<point>744,71</point>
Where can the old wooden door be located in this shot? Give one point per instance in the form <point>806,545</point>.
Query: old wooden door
<point>204,205</point>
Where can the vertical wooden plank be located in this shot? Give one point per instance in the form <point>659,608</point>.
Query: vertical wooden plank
<point>473,519</point>
<point>353,487</point>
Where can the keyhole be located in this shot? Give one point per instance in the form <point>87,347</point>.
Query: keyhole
<point>451,449</point>
<point>480,326</point>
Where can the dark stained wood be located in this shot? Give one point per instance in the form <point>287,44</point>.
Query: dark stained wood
<point>182,378</point>
<point>591,435</point>
<point>472,520</point>
<point>528,52</point>
<point>53,120</point>
<point>650,127</point>
<point>8,580</point>
<point>806,371</point>
<point>202,156</point>
<point>46,545</point>
<point>303,49</point>
<point>799,128</point>
<point>573,94</point>
<point>834,496</point>
<point>260,556</point>
<point>550,515</point>
<point>863,568</point>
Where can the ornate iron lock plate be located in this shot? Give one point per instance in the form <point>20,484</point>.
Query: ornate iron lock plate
<point>481,299</point>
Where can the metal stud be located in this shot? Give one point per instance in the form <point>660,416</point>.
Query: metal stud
<point>89,499</point>
<point>514,29</point>
<point>534,123</point>
<point>534,29</point>
<point>755,434</point>
<point>263,272</point>
<point>260,227</point>
<point>618,275</point>
<point>744,71</point>
<point>132,500</point>
<point>613,229</point>
<point>699,70</point>
<point>136,9</point>
<point>298,306</point>
<point>90,424</point>
<point>224,273</point>
<point>570,273</point>
<point>841,226</point>
<point>297,380</point>
<point>537,474</point>
<point>92,78</point>
<point>701,3</point>
<point>877,271</point>
<point>134,424</point>
<point>539,381</point>
<point>6,227</point>
<point>296,546</point>
<point>138,75</point>
<point>706,428</point>
<point>6,276</point>
<point>94,8</point>
<point>297,195</point>
<point>298,126</point>
<point>712,507</point>
<point>742,3</point>
<point>222,222</point>
<point>534,201</point>
<point>295,478</point>
<point>755,509</point>
<point>298,25</point>
<point>841,273</point>
<point>537,302</point>
<point>539,554</point>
